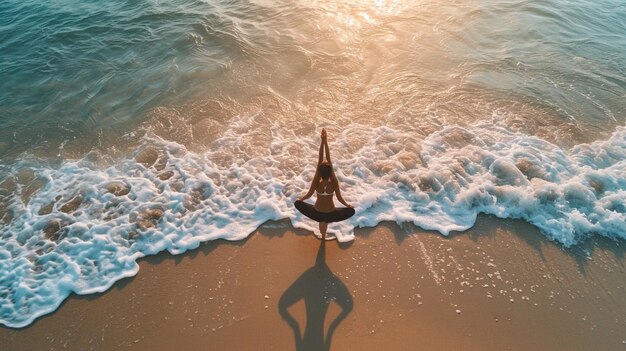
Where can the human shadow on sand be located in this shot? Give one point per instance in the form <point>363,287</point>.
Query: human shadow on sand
<point>318,287</point>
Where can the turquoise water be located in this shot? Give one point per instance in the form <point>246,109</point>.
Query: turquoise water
<point>132,127</point>
<point>89,70</point>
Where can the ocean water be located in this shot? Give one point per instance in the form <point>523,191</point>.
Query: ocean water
<point>129,127</point>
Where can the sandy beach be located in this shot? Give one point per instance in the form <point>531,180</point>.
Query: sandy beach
<point>498,286</point>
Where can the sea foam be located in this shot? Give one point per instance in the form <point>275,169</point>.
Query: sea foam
<point>84,225</point>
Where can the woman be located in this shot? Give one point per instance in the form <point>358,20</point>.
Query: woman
<point>325,184</point>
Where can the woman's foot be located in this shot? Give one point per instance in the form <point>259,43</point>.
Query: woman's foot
<point>328,237</point>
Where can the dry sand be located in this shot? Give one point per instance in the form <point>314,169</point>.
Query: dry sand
<point>498,286</point>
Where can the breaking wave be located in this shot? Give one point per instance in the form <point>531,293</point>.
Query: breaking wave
<point>79,226</point>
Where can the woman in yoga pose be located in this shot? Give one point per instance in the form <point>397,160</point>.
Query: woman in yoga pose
<point>325,184</point>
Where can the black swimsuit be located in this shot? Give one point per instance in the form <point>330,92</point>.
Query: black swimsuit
<point>337,215</point>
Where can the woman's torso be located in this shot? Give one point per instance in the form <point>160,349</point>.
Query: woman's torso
<point>324,201</point>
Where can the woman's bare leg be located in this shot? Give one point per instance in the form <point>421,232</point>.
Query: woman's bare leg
<point>323,227</point>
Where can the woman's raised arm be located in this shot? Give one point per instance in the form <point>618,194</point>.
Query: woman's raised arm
<point>322,142</point>
<point>327,150</point>
<point>316,177</point>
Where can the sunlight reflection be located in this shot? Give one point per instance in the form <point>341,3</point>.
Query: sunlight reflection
<point>347,19</point>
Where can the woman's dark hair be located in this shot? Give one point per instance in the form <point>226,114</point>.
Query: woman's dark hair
<point>325,169</point>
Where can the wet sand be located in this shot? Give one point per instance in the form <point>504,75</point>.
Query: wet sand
<point>498,286</point>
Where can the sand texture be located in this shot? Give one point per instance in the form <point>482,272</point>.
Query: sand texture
<point>498,286</point>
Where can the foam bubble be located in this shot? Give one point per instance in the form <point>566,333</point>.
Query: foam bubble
<point>78,227</point>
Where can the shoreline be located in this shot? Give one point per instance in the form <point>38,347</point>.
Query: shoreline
<point>500,284</point>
